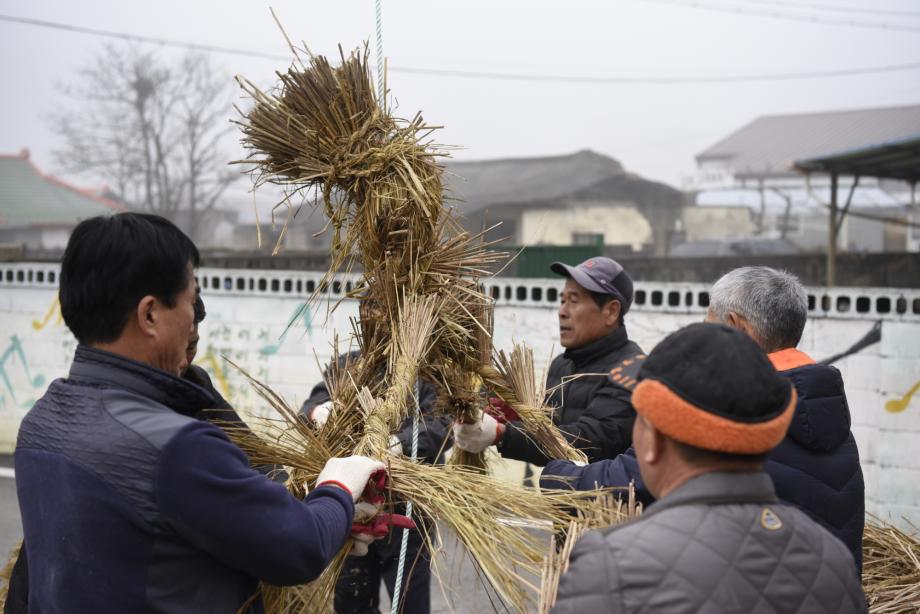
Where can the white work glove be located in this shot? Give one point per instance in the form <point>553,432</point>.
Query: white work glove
<point>320,414</point>
<point>395,447</point>
<point>364,511</point>
<point>478,436</point>
<point>350,473</point>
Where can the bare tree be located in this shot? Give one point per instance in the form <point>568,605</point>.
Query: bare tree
<point>151,130</point>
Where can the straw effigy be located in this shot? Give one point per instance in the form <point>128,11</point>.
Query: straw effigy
<point>423,315</point>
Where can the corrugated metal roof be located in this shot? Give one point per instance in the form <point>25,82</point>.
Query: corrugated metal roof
<point>30,198</point>
<point>768,146</point>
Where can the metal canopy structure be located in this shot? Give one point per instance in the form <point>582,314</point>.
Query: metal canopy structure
<point>898,159</point>
<point>890,160</point>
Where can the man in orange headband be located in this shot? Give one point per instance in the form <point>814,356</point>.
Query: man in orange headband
<point>710,407</point>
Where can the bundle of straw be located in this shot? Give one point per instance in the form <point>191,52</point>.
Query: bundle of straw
<point>513,379</point>
<point>609,510</point>
<point>473,504</point>
<point>6,573</point>
<point>891,568</point>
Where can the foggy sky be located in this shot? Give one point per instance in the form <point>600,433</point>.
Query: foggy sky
<point>653,129</point>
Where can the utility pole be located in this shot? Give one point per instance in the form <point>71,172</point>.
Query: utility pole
<point>832,235</point>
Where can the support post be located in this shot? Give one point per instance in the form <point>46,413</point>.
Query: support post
<point>832,235</point>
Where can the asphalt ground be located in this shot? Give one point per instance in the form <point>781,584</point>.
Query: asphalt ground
<point>10,525</point>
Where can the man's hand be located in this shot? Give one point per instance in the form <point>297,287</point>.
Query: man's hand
<point>396,447</point>
<point>352,473</point>
<point>478,436</point>
<point>320,414</point>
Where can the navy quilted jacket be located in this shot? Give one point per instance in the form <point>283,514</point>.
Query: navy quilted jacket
<point>816,467</point>
<point>130,504</point>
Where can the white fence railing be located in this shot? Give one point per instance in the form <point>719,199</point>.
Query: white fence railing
<point>895,304</point>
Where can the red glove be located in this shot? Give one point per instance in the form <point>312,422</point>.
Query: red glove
<point>501,411</point>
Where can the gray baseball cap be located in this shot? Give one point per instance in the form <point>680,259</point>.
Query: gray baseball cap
<point>601,275</point>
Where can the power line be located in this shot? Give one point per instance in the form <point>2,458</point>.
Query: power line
<point>659,80</point>
<point>787,16</point>
<point>835,8</point>
<point>142,39</point>
<point>670,80</point>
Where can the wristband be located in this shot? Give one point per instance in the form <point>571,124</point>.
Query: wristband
<point>335,483</point>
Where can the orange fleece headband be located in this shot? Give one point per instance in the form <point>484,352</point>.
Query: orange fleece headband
<point>681,420</point>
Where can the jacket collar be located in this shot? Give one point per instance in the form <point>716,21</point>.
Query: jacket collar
<point>719,488</point>
<point>790,358</point>
<point>599,347</point>
<point>112,370</point>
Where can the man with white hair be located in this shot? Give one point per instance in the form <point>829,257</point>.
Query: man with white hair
<point>816,467</point>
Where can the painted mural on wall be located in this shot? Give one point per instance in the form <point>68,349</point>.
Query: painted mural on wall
<point>16,375</point>
<point>286,346</point>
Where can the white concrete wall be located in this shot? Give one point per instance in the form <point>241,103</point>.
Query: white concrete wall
<point>247,327</point>
<point>620,224</point>
<point>715,222</point>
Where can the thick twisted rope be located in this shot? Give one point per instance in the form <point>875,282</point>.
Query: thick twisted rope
<point>404,546</point>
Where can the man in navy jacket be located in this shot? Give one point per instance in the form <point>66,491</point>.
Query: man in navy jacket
<point>816,466</point>
<point>129,503</point>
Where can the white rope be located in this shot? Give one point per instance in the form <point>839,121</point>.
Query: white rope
<point>403,548</point>
<point>381,81</point>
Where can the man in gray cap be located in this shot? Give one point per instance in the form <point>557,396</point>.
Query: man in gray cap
<point>591,382</point>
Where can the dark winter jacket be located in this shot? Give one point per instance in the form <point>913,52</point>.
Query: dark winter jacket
<point>720,542</point>
<point>130,504</point>
<point>433,430</point>
<point>593,411</point>
<point>816,467</point>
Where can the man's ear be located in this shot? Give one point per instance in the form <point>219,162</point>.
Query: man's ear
<point>656,445</point>
<point>649,449</point>
<point>740,322</point>
<point>612,312</point>
<point>147,315</point>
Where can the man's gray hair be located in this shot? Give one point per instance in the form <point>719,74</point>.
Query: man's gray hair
<point>773,302</point>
